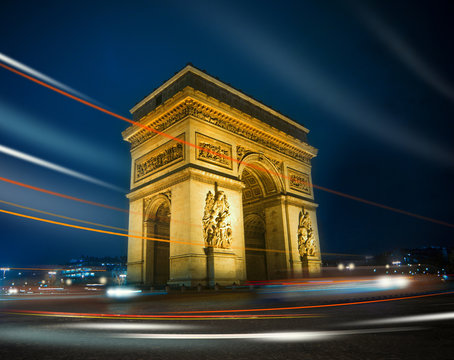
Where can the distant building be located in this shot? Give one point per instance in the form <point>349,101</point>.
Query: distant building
<point>107,270</point>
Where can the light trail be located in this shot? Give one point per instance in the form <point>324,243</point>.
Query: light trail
<point>259,168</point>
<point>270,336</point>
<point>157,317</point>
<point>92,229</point>
<point>314,306</point>
<point>31,187</point>
<point>131,235</point>
<point>84,201</point>
<point>8,60</point>
<point>109,326</point>
<point>62,216</point>
<point>407,319</point>
<point>61,169</point>
<point>189,315</point>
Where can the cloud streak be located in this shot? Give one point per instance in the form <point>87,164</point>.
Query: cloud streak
<point>305,78</point>
<point>406,54</point>
<point>49,165</point>
<point>27,69</point>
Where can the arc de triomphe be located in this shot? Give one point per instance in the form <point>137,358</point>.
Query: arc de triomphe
<point>227,197</point>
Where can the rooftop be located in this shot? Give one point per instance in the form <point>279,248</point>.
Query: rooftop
<point>211,86</point>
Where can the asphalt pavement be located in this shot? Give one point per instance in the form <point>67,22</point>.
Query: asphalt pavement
<point>239,324</point>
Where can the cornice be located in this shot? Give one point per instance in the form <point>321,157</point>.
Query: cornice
<point>196,104</point>
<point>204,75</point>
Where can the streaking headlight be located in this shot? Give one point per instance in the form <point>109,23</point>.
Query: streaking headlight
<point>393,282</point>
<point>122,292</point>
<point>12,291</point>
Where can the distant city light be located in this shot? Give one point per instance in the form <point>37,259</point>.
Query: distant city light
<point>12,291</point>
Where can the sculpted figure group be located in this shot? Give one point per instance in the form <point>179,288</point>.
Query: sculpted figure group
<point>217,227</point>
<point>306,241</point>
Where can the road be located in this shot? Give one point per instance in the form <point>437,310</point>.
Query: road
<point>229,325</point>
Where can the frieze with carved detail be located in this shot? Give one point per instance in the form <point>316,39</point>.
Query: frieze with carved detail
<point>202,112</point>
<point>214,151</point>
<point>299,181</point>
<point>158,159</point>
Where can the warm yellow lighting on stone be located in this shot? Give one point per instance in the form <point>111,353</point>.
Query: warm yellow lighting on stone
<point>233,184</point>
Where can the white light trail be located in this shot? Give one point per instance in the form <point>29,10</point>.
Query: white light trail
<point>37,161</point>
<point>126,326</point>
<point>10,61</point>
<point>271,336</point>
<point>407,319</point>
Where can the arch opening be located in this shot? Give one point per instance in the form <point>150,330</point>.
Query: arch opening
<point>158,252</point>
<point>260,185</point>
<point>255,242</point>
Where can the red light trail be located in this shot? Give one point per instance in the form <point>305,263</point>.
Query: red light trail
<point>61,195</point>
<point>184,315</point>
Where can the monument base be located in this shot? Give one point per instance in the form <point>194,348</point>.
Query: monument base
<point>221,267</point>
<point>311,266</point>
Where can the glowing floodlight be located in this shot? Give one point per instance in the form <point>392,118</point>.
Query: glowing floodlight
<point>393,282</point>
<point>122,292</point>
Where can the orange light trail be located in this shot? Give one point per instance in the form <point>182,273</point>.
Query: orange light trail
<point>158,317</point>
<point>79,200</point>
<point>184,242</point>
<point>314,306</point>
<point>92,229</point>
<point>62,216</point>
<point>184,315</point>
<point>335,192</point>
<point>61,195</point>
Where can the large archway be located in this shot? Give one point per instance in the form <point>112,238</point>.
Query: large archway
<point>255,242</point>
<point>158,252</point>
<point>260,212</point>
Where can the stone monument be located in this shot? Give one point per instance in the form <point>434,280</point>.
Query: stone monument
<point>220,188</point>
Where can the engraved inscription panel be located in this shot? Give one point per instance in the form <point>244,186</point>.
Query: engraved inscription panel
<point>299,181</point>
<point>213,151</point>
<point>165,155</point>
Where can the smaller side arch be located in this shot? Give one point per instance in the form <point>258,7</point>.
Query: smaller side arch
<point>157,252</point>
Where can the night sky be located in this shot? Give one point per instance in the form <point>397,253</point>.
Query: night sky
<point>373,81</point>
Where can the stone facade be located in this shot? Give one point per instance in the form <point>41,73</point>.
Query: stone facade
<point>220,189</point>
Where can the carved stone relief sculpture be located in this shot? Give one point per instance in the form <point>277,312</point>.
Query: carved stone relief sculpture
<point>214,151</point>
<point>217,226</point>
<point>306,239</point>
<point>159,158</point>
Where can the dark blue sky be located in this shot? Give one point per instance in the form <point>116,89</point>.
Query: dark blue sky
<point>373,81</point>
